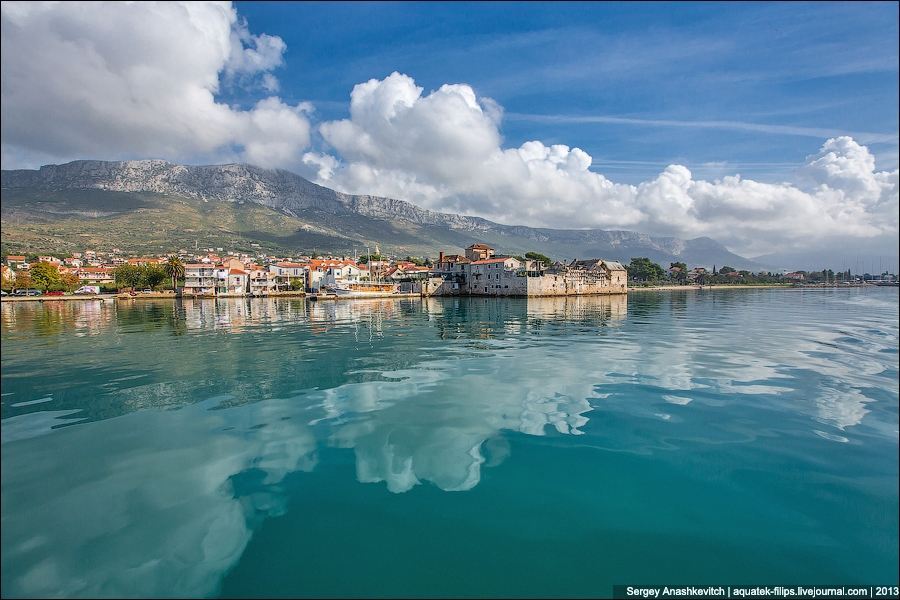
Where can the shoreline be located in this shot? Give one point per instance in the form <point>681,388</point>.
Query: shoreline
<point>407,296</point>
<point>737,286</point>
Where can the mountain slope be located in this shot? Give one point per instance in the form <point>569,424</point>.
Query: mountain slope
<point>121,203</point>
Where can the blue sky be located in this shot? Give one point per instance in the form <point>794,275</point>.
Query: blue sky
<point>813,69</point>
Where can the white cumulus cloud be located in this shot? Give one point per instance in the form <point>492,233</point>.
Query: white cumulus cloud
<point>117,80</point>
<point>444,150</point>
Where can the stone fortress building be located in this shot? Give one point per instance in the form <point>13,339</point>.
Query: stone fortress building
<point>481,273</point>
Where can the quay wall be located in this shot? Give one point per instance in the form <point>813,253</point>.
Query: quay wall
<point>515,286</point>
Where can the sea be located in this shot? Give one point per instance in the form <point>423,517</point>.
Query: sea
<point>443,447</point>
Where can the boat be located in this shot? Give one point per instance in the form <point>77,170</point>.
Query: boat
<point>362,290</point>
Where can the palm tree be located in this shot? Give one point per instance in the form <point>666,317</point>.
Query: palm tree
<point>174,268</point>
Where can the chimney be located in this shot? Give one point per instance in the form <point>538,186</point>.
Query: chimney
<point>440,256</point>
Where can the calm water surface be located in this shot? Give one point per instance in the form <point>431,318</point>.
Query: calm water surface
<point>449,447</point>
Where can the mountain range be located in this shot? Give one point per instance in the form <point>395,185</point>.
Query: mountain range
<point>157,206</point>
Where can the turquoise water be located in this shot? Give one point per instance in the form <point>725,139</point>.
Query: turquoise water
<point>449,447</point>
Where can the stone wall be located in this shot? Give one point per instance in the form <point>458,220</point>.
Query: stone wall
<point>564,284</point>
<point>510,284</point>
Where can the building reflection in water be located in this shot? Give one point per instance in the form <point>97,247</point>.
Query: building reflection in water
<point>188,487</point>
<point>235,314</point>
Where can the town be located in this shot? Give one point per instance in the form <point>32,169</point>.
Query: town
<point>479,271</point>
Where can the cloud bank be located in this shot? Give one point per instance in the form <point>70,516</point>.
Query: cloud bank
<point>145,80</point>
<point>116,80</point>
<point>444,150</point>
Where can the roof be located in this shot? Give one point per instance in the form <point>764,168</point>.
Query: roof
<point>455,258</point>
<point>588,263</point>
<point>199,266</point>
<point>291,265</point>
<point>480,247</point>
<point>317,263</point>
<point>236,272</point>
<point>593,263</point>
<point>144,259</point>
<point>494,260</point>
<point>15,257</point>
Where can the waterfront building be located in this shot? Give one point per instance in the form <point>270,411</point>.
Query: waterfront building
<point>288,272</point>
<point>509,276</point>
<point>318,269</point>
<point>346,272</point>
<point>233,281</point>
<point>406,272</point>
<point>496,276</point>
<point>262,281</point>
<point>200,279</point>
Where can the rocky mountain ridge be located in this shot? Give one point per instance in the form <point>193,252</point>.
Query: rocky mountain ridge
<point>294,195</point>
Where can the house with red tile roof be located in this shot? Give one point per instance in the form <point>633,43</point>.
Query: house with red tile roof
<point>236,282</point>
<point>15,261</point>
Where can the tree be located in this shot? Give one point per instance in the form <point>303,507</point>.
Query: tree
<point>644,269</point>
<point>538,256</point>
<point>174,268</point>
<point>127,276</point>
<point>678,271</point>
<point>44,275</point>
<point>69,282</point>
<point>23,280</point>
<point>725,270</point>
<point>365,258</point>
<point>152,275</point>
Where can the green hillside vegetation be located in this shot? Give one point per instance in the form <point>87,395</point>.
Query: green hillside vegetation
<point>71,220</point>
<point>145,223</point>
<point>40,221</point>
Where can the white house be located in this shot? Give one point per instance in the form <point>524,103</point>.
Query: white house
<point>262,281</point>
<point>288,272</point>
<point>347,272</point>
<point>200,279</point>
<point>236,281</point>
